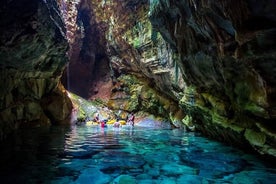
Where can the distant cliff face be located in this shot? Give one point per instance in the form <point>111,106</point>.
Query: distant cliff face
<point>32,58</point>
<point>213,60</point>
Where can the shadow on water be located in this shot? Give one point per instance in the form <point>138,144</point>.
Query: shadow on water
<point>29,153</point>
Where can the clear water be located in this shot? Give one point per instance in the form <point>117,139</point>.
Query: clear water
<point>83,154</point>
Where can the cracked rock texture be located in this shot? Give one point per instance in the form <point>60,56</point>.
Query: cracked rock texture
<point>208,65</point>
<point>216,60</point>
<point>228,57</point>
<point>32,58</point>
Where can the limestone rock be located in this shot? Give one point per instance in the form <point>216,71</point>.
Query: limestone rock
<point>32,54</point>
<point>214,61</point>
<point>255,138</point>
<point>227,56</point>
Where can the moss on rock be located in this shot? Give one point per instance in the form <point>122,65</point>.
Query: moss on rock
<point>255,138</point>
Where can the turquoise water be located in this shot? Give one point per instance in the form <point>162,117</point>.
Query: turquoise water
<point>87,154</point>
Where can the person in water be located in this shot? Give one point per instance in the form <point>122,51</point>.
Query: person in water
<point>116,124</point>
<point>130,119</point>
<point>103,123</point>
<point>96,117</point>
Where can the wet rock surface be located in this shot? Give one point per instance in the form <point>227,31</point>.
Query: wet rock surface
<point>32,58</point>
<point>216,60</point>
<point>218,47</point>
<point>207,65</point>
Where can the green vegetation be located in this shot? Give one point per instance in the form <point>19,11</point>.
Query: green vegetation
<point>136,43</point>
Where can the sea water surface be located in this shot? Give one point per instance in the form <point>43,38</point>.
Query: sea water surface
<point>143,155</point>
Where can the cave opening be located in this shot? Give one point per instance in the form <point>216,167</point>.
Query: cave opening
<point>102,91</point>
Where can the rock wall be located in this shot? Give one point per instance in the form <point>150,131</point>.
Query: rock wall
<point>133,48</point>
<point>88,69</point>
<point>228,58</point>
<point>215,59</point>
<point>32,58</point>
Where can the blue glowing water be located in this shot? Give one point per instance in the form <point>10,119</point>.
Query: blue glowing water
<point>88,154</point>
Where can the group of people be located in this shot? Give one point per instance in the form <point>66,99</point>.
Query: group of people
<point>116,124</point>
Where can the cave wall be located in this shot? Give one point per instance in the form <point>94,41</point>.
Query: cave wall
<point>32,58</point>
<point>134,48</point>
<point>225,49</point>
<point>215,59</point>
<point>228,57</point>
<point>88,69</point>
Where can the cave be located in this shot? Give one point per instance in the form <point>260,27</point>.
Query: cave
<point>137,91</point>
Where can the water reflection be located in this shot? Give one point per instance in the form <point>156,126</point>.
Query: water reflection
<point>29,153</point>
<point>83,154</point>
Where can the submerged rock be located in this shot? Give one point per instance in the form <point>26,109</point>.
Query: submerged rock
<point>92,176</point>
<point>214,61</point>
<point>220,45</point>
<point>125,179</point>
<point>173,170</point>
<point>211,62</point>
